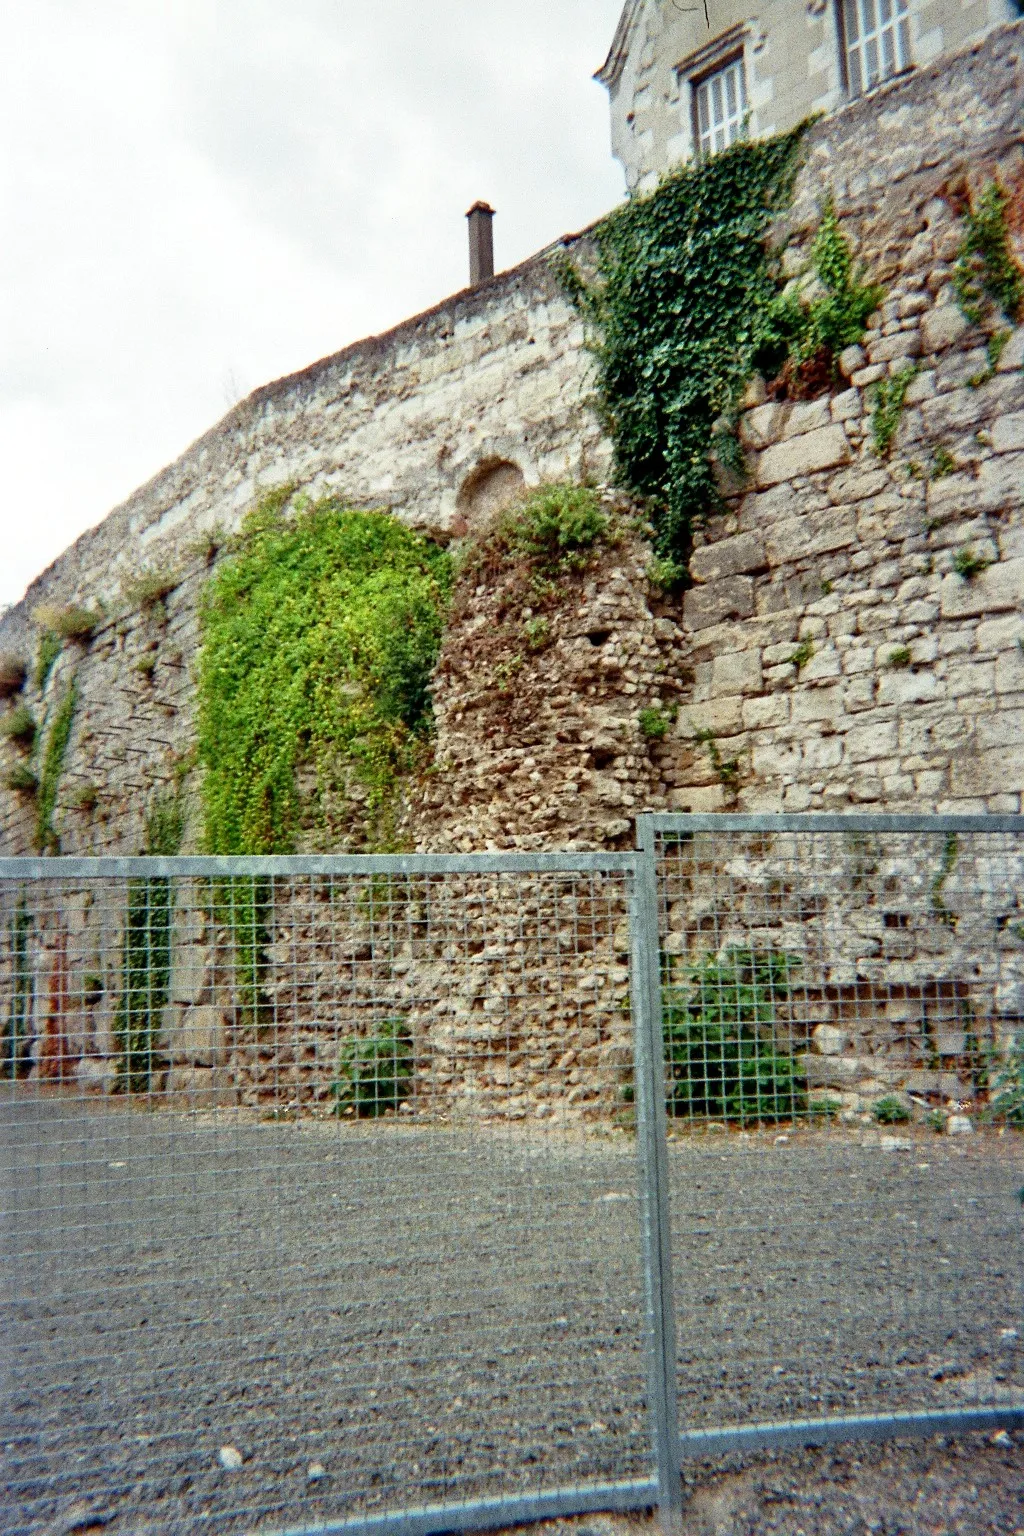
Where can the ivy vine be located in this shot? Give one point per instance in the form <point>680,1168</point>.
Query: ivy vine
<point>319,636</point>
<point>688,300</point>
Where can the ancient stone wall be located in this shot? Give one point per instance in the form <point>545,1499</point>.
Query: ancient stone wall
<point>851,638</point>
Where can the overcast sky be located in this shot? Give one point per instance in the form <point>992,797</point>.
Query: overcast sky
<point>198,196</point>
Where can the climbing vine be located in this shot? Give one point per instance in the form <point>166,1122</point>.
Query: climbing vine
<point>688,301</point>
<point>319,636</point>
<point>987,275</point>
<point>52,767</point>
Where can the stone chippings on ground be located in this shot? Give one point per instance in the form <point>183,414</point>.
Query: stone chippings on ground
<point>427,1313</point>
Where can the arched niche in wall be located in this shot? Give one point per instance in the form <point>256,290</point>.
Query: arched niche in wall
<point>487,490</point>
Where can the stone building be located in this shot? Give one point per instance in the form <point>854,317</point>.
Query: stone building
<point>687,79</point>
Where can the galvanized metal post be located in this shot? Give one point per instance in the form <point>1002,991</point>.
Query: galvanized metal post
<point>649,1090</point>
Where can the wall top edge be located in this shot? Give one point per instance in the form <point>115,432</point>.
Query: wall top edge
<point>828,822</point>
<point>57,868</point>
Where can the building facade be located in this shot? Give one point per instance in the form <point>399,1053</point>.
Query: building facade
<point>686,79</point>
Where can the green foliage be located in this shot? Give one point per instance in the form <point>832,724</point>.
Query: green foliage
<point>555,528</point>
<point>968,564</point>
<point>50,647</point>
<point>145,980</point>
<point>679,315</point>
<point>146,665</point>
<point>537,633</point>
<point>901,657</point>
<point>890,1111</point>
<point>165,825</point>
<point>16,1042</point>
<point>13,673</point>
<point>943,463</point>
<point>888,396</point>
<point>666,575</point>
<point>722,1061</point>
<point>801,330</point>
<point>947,864</point>
<point>375,1071</point>
<point>70,623</point>
<point>85,798</point>
<point>654,723</point>
<point>148,589</point>
<point>19,724</point>
<point>52,767</point>
<point>20,779</point>
<point>1006,1101</point>
<point>319,639</point>
<point>803,654</point>
<point>726,769</point>
<point>996,346</point>
<point>987,275</point>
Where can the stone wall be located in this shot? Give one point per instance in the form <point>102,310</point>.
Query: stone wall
<point>836,650</point>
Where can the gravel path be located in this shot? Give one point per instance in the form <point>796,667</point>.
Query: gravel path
<point>424,1313</point>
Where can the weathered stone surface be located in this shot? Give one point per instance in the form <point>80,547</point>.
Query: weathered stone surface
<point>730,598</point>
<point>990,591</point>
<point>1008,433</point>
<point>825,448</point>
<point>942,327</point>
<point>736,556</point>
<point>196,1088</point>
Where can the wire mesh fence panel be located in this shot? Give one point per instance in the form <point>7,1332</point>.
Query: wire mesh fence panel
<point>843,1013</point>
<point>320,1193</point>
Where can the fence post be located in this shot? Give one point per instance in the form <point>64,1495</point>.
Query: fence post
<point>649,1090</point>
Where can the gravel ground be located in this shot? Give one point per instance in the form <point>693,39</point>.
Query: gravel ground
<point>371,1316</point>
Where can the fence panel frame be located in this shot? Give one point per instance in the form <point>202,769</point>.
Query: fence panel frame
<point>840,1428</point>
<point>662,1491</point>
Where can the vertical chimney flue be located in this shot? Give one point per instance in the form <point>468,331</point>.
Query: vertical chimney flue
<point>481,243</point>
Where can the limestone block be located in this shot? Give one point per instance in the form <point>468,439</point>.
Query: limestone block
<point>1008,433</point>
<point>1002,729</point>
<point>998,634</point>
<point>829,1041</point>
<point>942,327</point>
<point>1009,997</point>
<point>851,361</point>
<point>998,770</point>
<point>1009,676</point>
<point>766,713</point>
<point>825,448</point>
<point>197,1035</point>
<point>899,688</point>
<point>991,591</point>
<point>191,1088</point>
<point>698,801</point>
<point>890,348</point>
<point>96,1074</point>
<point>807,416</point>
<point>730,598</point>
<point>763,425</point>
<point>797,538</point>
<point>739,672</point>
<point>848,406</point>
<point>190,974</point>
<point>742,553</point>
<point>1012,355</point>
<point>723,717</point>
<point>864,743</point>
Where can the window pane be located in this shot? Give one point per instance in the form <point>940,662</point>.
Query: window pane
<point>904,37</point>
<point>730,91</point>
<point>851,21</point>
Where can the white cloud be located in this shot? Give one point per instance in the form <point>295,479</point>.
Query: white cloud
<point>201,195</point>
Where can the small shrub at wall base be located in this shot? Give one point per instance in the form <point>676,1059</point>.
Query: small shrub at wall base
<point>375,1071</point>
<point>891,1110</point>
<point>722,1061</point>
<point>555,528</point>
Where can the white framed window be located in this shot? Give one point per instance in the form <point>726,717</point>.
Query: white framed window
<point>876,39</point>
<point>719,108</point>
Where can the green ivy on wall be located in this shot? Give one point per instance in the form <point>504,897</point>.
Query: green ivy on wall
<point>52,767</point>
<point>319,636</point>
<point>688,301</point>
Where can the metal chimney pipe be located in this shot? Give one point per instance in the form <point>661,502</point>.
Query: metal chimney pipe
<point>481,243</point>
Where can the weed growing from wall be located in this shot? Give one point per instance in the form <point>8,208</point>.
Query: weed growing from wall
<point>374,1071</point>
<point>722,1063</point>
<point>319,636</point>
<point>50,647</point>
<point>987,276</point>
<point>51,769</point>
<point>888,397</point>
<point>16,1041</point>
<point>13,675</point>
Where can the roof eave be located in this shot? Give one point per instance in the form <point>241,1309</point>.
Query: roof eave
<point>611,70</point>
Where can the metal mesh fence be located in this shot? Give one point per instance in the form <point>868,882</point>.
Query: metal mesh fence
<point>320,1192</point>
<point>843,1009</point>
